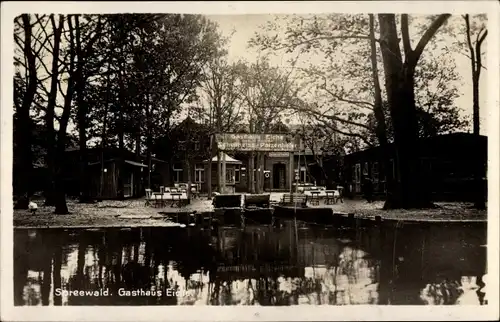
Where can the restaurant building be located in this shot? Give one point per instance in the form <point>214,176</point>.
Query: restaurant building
<point>189,151</point>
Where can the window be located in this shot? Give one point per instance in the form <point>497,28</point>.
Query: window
<point>365,168</point>
<point>196,146</point>
<point>199,173</point>
<point>237,174</point>
<point>375,171</point>
<point>303,174</point>
<point>178,171</point>
<point>357,173</point>
<point>229,175</point>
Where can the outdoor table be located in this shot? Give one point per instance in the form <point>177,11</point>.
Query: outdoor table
<point>177,198</point>
<point>315,197</point>
<point>330,197</point>
<point>158,198</point>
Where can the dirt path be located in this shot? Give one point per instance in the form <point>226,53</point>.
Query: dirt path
<point>134,213</point>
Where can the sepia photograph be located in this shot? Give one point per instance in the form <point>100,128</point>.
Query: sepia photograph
<point>301,159</point>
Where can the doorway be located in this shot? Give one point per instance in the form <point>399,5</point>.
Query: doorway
<point>279,176</point>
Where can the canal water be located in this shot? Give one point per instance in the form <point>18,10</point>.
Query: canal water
<point>424,264</point>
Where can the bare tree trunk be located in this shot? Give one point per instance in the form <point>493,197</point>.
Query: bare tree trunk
<point>103,135</point>
<point>381,127</point>
<point>209,170</point>
<point>219,171</point>
<point>251,172</point>
<point>257,172</point>
<point>410,191</point>
<point>24,129</point>
<point>83,109</point>
<point>188,162</point>
<point>50,112</point>
<point>189,178</point>
<point>476,65</point>
<point>137,181</point>
<point>262,177</point>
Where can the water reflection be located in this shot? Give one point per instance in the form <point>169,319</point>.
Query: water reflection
<point>257,265</point>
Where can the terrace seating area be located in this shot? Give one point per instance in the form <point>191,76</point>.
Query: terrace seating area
<point>175,196</point>
<point>317,194</point>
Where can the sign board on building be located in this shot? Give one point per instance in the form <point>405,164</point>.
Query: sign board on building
<point>256,142</point>
<point>279,154</point>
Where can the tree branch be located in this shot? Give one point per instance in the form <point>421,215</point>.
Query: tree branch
<point>429,33</point>
<point>406,36</point>
<point>478,52</point>
<point>469,43</point>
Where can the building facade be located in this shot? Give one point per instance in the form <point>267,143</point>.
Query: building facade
<point>187,152</point>
<point>448,163</point>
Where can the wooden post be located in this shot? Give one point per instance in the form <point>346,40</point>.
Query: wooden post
<point>251,172</point>
<point>223,174</point>
<point>291,172</point>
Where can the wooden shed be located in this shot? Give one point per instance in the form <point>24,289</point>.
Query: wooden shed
<point>105,178</point>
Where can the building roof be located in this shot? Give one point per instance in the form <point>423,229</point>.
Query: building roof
<point>228,159</point>
<point>134,163</point>
<point>137,164</point>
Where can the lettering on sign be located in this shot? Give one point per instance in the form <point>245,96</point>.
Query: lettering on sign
<point>256,142</point>
<point>279,154</point>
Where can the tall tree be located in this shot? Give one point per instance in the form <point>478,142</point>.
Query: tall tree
<point>267,93</point>
<point>220,91</point>
<point>474,46</point>
<point>85,37</point>
<point>410,191</point>
<point>60,47</point>
<point>476,66</point>
<point>345,87</point>
<point>23,119</point>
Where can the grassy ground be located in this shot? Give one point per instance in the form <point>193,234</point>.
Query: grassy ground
<point>446,211</point>
<point>134,213</point>
<point>128,213</point>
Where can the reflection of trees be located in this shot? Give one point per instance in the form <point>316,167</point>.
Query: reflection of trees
<point>20,264</point>
<point>270,267</point>
<point>424,263</point>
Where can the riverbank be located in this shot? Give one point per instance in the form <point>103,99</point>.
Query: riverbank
<point>134,213</point>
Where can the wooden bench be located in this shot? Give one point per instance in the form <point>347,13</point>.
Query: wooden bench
<point>227,201</point>
<point>256,201</point>
<point>294,200</point>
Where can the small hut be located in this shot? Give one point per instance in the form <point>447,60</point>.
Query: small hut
<point>232,166</point>
<point>106,185</point>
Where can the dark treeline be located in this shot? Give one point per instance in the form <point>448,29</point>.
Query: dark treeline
<point>118,80</point>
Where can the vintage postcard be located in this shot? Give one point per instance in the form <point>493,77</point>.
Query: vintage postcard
<point>250,161</point>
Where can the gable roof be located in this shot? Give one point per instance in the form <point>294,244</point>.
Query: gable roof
<point>228,159</point>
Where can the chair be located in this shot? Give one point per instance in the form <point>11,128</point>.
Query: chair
<point>194,191</point>
<point>315,197</point>
<point>158,199</point>
<point>148,197</point>
<point>340,190</point>
<point>330,197</point>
